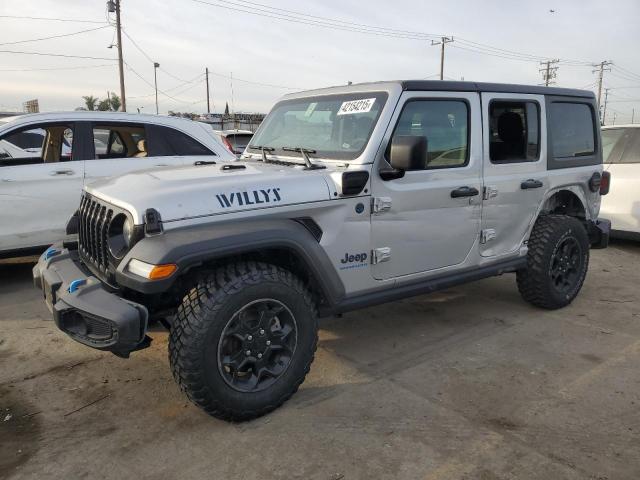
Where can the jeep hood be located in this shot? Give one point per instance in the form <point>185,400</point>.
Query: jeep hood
<point>195,191</point>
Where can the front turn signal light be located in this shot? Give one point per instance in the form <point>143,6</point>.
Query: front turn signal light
<point>150,271</point>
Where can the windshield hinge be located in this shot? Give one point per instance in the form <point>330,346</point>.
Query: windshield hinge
<point>379,255</point>
<point>380,204</point>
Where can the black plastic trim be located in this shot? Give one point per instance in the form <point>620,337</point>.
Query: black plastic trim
<point>453,86</point>
<point>191,246</point>
<point>428,285</point>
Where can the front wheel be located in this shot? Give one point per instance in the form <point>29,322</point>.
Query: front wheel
<point>243,340</point>
<point>557,262</point>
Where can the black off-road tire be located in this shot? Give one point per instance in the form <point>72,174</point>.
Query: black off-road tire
<point>203,317</point>
<point>536,283</point>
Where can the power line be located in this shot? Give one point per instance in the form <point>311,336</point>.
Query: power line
<point>56,68</point>
<point>160,91</point>
<point>318,21</point>
<point>303,21</point>
<point>148,57</point>
<point>56,55</point>
<point>73,20</point>
<point>54,36</point>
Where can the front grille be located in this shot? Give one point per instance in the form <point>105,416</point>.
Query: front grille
<point>94,219</point>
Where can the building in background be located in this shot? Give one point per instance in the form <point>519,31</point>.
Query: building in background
<point>31,106</point>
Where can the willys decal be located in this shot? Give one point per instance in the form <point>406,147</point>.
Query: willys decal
<point>250,197</point>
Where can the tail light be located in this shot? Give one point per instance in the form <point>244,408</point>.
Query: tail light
<point>605,182</point>
<point>227,144</point>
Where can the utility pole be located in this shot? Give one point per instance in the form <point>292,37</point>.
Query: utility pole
<point>604,110</point>
<point>120,60</point>
<point>442,42</point>
<point>633,115</point>
<point>156,65</point>
<point>206,72</point>
<point>549,72</point>
<point>601,68</point>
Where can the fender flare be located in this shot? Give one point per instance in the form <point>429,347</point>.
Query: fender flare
<point>192,246</point>
<point>575,189</point>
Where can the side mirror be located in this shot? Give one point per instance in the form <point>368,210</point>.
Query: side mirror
<point>408,152</point>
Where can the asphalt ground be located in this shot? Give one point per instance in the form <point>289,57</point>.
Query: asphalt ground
<point>469,383</point>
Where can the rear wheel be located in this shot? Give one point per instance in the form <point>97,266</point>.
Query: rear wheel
<point>243,339</point>
<point>557,262</point>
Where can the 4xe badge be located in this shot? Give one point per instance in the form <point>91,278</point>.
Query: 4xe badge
<point>354,261</point>
<point>252,197</point>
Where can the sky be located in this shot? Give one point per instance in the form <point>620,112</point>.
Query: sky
<point>269,57</point>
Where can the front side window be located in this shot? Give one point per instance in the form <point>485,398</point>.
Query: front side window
<point>572,130</point>
<point>444,123</point>
<point>514,131</point>
<point>333,126</point>
<point>33,145</point>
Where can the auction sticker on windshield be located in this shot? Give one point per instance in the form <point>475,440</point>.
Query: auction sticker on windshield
<point>356,106</point>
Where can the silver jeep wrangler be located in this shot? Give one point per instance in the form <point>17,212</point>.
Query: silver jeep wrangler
<point>347,197</point>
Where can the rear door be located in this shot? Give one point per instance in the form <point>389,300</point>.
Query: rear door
<point>40,185</point>
<point>120,148</point>
<point>428,226</point>
<point>514,169</point>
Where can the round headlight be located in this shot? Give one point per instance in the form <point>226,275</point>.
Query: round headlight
<point>120,236</point>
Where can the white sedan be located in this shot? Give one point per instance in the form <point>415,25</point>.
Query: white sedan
<point>47,158</point>
<point>621,154</point>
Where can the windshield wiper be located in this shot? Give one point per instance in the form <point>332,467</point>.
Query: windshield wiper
<point>263,149</point>
<point>305,155</point>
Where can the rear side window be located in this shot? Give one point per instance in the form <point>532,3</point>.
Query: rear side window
<point>572,130</point>
<point>514,131</point>
<point>165,141</point>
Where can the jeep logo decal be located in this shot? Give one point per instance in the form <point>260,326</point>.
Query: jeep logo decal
<point>353,261</point>
<point>252,197</point>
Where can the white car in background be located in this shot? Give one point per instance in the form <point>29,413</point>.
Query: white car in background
<point>47,158</point>
<point>621,157</point>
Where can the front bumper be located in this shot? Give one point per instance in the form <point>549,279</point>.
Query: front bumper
<point>599,232</point>
<point>84,309</point>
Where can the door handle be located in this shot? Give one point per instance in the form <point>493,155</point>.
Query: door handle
<point>464,192</point>
<point>61,172</point>
<point>531,183</point>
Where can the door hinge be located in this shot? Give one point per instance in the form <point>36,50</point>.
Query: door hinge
<point>489,192</point>
<point>487,235</point>
<point>379,255</point>
<point>380,204</point>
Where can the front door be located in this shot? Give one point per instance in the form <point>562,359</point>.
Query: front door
<point>514,169</point>
<point>434,216</point>
<point>41,171</point>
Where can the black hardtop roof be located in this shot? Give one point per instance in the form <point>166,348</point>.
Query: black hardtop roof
<point>455,86</point>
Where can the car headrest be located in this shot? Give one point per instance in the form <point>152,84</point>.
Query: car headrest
<point>510,127</point>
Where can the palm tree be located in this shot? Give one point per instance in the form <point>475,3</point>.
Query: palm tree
<point>115,102</point>
<point>90,101</point>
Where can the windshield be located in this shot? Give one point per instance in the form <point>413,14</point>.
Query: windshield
<point>332,126</point>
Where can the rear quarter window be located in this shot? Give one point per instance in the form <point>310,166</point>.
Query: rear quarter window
<point>573,133</point>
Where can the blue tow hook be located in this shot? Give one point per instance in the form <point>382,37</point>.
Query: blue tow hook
<point>75,284</point>
<point>51,252</point>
